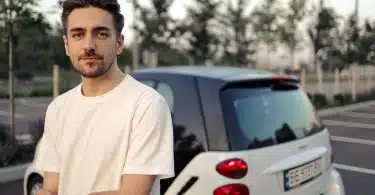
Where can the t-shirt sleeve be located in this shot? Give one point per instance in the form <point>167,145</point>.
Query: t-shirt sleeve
<point>47,158</point>
<point>151,140</point>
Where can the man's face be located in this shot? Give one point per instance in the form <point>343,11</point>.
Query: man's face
<point>91,41</point>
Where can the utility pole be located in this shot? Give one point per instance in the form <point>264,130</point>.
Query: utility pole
<point>356,9</point>
<point>11,80</point>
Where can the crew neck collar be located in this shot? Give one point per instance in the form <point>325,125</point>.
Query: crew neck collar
<point>103,97</point>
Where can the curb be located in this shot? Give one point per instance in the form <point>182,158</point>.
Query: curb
<point>13,173</point>
<point>335,110</point>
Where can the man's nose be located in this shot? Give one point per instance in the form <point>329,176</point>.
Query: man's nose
<point>89,44</point>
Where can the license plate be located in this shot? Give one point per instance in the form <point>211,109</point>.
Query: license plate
<point>299,175</point>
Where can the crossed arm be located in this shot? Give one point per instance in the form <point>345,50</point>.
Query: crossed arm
<point>130,185</point>
<point>150,152</point>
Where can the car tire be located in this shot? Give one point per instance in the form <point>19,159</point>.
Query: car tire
<point>35,184</point>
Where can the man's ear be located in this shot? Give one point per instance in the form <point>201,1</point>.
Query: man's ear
<point>66,45</point>
<point>120,44</point>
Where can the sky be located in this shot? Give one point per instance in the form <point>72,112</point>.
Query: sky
<point>343,7</point>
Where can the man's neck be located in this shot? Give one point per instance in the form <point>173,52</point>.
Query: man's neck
<point>101,85</point>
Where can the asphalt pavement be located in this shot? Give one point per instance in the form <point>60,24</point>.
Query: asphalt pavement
<point>353,144</point>
<point>352,132</point>
<point>12,188</point>
<point>27,110</point>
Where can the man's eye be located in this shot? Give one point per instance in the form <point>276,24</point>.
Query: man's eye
<point>77,35</point>
<point>103,35</point>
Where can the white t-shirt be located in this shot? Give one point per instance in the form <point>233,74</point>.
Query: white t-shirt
<point>92,141</point>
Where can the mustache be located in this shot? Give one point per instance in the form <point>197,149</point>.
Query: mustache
<point>90,55</point>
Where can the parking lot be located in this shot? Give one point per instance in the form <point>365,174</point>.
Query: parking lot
<point>353,142</point>
<point>26,111</point>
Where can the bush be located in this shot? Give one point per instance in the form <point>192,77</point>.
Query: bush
<point>319,100</point>
<point>7,147</point>
<point>24,75</point>
<point>28,92</point>
<point>342,99</point>
<point>4,75</point>
<point>4,95</point>
<point>41,92</point>
<point>31,90</point>
<point>12,153</point>
<point>309,95</point>
<point>366,96</point>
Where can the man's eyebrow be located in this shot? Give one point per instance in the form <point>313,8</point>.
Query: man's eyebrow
<point>99,28</point>
<point>76,29</point>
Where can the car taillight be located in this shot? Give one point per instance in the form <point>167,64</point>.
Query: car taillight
<point>232,168</point>
<point>278,78</point>
<point>232,189</point>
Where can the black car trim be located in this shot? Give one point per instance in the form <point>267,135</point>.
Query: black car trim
<point>201,112</point>
<point>188,185</point>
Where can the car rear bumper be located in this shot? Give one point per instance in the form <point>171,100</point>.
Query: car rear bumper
<point>336,186</point>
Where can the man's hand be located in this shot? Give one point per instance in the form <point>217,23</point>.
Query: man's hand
<point>50,183</point>
<point>44,192</point>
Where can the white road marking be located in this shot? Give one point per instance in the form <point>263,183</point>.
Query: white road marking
<point>4,113</point>
<point>359,115</point>
<point>353,168</point>
<point>353,140</point>
<point>31,103</point>
<point>348,124</point>
<point>24,136</point>
<point>25,139</point>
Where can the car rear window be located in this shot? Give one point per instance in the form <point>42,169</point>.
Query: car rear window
<point>267,115</point>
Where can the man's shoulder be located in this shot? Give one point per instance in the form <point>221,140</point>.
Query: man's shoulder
<point>145,95</point>
<point>60,100</point>
<point>143,92</point>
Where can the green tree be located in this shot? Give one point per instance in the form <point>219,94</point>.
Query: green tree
<point>366,45</point>
<point>367,42</point>
<point>58,54</point>
<point>29,30</point>
<point>348,45</point>
<point>238,41</point>
<point>201,23</point>
<point>266,20</point>
<point>31,41</point>
<point>290,34</point>
<point>323,31</point>
<point>9,13</point>
<point>155,26</point>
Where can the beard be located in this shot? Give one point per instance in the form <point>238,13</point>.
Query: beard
<point>99,71</point>
<point>100,66</point>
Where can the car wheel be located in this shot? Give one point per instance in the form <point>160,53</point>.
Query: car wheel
<point>35,184</point>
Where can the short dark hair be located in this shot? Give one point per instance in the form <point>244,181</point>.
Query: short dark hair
<point>112,6</point>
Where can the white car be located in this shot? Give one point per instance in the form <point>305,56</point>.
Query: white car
<point>239,131</point>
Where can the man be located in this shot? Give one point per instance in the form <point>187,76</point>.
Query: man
<point>110,135</point>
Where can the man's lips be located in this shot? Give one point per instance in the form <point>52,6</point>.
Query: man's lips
<point>90,59</point>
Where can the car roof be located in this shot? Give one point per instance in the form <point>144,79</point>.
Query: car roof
<point>225,73</point>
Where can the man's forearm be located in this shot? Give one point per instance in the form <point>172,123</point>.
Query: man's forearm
<point>51,183</point>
